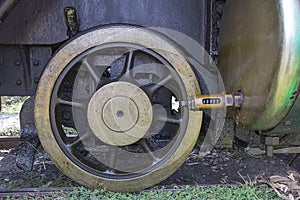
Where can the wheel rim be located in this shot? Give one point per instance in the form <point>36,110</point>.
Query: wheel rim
<point>86,147</point>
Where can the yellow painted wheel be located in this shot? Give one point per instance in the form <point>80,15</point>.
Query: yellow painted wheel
<point>106,109</point>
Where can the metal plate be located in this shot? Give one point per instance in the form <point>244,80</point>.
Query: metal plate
<point>259,48</point>
<point>21,68</point>
<point>291,124</point>
<point>43,22</point>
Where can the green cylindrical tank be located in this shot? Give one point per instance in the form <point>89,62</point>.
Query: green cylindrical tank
<point>260,55</point>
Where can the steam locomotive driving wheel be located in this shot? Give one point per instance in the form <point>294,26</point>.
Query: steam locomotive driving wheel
<point>108,108</point>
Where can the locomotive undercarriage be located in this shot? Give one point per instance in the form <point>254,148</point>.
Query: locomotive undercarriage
<point>96,61</point>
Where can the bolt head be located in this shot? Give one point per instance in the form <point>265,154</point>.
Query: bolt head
<point>17,63</point>
<point>19,82</point>
<point>36,63</point>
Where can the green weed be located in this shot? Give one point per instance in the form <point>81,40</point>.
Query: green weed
<point>12,104</point>
<point>189,193</point>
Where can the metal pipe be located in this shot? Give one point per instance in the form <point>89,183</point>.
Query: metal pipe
<point>215,101</point>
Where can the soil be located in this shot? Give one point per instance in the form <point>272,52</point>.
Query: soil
<point>218,167</point>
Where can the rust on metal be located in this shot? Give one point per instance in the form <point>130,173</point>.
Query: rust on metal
<point>71,21</point>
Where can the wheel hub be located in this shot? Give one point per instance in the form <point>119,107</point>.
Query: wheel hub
<point>119,113</point>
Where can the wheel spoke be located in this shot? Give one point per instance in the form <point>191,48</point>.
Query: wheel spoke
<point>78,141</point>
<point>71,103</point>
<point>147,150</point>
<point>91,71</point>
<point>173,121</point>
<point>112,158</point>
<point>128,65</point>
<point>153,88</point>
<point>168,120</point>
<point>129,61</point>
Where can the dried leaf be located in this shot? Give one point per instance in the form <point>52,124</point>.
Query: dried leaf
<point>279,179</point>
<point>295,174</point>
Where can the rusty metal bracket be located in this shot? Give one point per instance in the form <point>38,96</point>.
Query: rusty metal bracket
<point>215,101</point>
<point>72,21</point>
<point>295,150</point>
<point>270,142</point>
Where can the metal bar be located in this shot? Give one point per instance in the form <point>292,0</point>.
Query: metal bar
<point>215,101</point>
<point>71,21</point>
<point>295,150</point>
<point>9,142</point>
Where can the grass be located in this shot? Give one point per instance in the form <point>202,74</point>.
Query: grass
<point>12,105</point>
<point>189,193</point>
<point>30,180</point>
<point>10,131</point>
<point>36,179</point>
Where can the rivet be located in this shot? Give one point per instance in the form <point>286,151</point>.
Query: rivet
<point>36,63</point>
<point>19,82</point>
<point>17,63</point>
<point>66,115</point>
<point>36,80</point>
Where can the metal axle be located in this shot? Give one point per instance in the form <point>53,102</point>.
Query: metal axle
<point>215,101</point>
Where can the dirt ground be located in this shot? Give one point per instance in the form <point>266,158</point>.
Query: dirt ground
<point>219,167</point>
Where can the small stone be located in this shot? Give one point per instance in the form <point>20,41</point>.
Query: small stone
<point>214,167</point>
<point>254,151</point>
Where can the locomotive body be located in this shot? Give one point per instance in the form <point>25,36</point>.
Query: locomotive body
<point>119,87</point>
